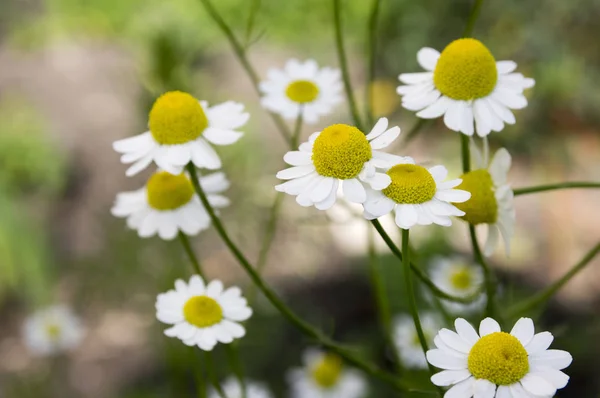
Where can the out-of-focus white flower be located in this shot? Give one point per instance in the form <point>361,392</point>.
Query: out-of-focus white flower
<point>458,278</point>
<point>52,330</point>
<point>407,340</point>
<point>232,389</point>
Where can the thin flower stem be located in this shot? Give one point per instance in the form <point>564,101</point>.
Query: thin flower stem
<point>465,153</point>
<point>525,306</point>
<point>240,53</point>
<point>198,375</point>
<point>212,375</point>
<point>190,252</point>
<point>290,315</point>
<point>552,187</point>
<point>490,282</point>
<point>371,57</point>
<point>254,6</point>
<point>472,18</point>
<point>339,43</point>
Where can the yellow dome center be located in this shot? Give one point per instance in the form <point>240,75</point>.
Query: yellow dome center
<point>167,191</point>
<point>482,207</point>
<point>411,184</point>
<point>53,331</point>
<point>500,358</point>
<point>176,118</point>
<point>302,91</point>
<point>461,278</point>
<point>327,372</point>
<point>202,311</point>
<point>466,70</point>
<point>340,151</point>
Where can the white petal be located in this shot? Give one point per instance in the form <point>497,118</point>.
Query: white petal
<point>466,331</point>
<point>413,78</point>
<point>330,200</point>
<point>235,329</point>
<point>379,181</point>
<point>441,359</point>
<point>421,102</point>
<point>406,216</point>
<point>539,343</point>
<point>523,330</point>
<point>437,109</point>
<point>492,240</point>
<point>464,389</point>
<point>453,195</point>
<point>484,389</point>
<point>466,122</point>
<point>297,158</point>
<point>380,206</point>
<point>322,189</point>
<point>488,326</point>
<point>379,128</point>
<point>427,58</point>
<point>499,166</point>
<point>555,377</point>
<point>556,359</point>
<point>439,173</point>
<point>204,156</point>
<point>386,138</point>
<point>505,67</point>
<point>537,385</point>
<point>503,392</point>
<point>354,191</point>
<point>214,288</point>
<point>450,377</point>
<point>139,166</point>
<point>454,341</point>
<point>453,116</point>
<point>295,172</point>
<point>218,136</point>
<point>238,314</point>
<point>509,98</point>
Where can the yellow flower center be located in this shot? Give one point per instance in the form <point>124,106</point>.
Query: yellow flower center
<point>466,70</point>
<point>461,278</point>
<point>327,372</point>
<point>411,184</point>
<point>53,331</point>
<point>167,191</point>
<point>302,91</point>
<point>176,118</point>
<point>340,151</point>
<point>482,207</point>
<point>202,311</point>
<point>500,358</point>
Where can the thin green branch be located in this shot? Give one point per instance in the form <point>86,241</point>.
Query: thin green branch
<point>552,187</point>
<point>472,18</point>
<point>490,282</point>
<point>198,374</point>
<point>339,44</point>
<point>254,6</point>
<point>371,57</point>
<point>465,151</point>
<point>185,241</point>
<point>525,306</point>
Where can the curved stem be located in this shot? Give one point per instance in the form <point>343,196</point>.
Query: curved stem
<point>490,284</point>
<point>546,294</point>
<point>472,18</point>
<point>339,44</point>
<point>371,57</point>
<point>185,241</point>
<point>290,315</point>
<point>552,187</point>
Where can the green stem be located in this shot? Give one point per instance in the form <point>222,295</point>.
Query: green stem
<point>339,43</point>
<point>465,153</point>
<point>190,252</point>
<point>240,54</point>
<point>198,375</point>
<point>251,18</point>
<point>270,294</point>
<point>472,18</point>
<point>212,375</point>
<point>236,364</point>
<point>490,285</point>
<point>546,294</point>
<point>371,57</point>
<point>552,187</point>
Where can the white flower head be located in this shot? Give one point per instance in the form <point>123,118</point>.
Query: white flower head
<point>203,315</point>
<point>324,376</point>
<point>52,330</point>
<point>232,389</point>
<point>302,87</point>
<point>339,155</point>
<point>181,130</point>
<point>498,364</point>
<point>492,199</point>
<point>168,204</point>
<point>407,340</point>
<point>459,278</point>
<point>467,86</point>
<point>419,196</point>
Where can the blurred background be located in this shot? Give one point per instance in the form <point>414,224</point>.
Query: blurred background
<point>76,75</point>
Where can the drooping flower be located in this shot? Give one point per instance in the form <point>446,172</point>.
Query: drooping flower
<point>52,330</point>
<point>324,376</point>
<point>419,196</point>
<point>302,87</point>
<point>459,278</point>
<point>232,389</point>
<point>203,314</point>
<point>407,340</point>
<point>168,204</point>
<point>467,86</point>
<point>498,364</point>
<point>181,130</point>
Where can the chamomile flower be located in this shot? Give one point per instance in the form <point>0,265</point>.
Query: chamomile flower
<point>324,376</point>
<point>52,330</point>
<point>203,314</point>
<point>232,389</point>
<point>466,85</point>
<point>492,199</point>
<point>458,278</point>
<point>168,204</point>
<point>302,87</point>
<point>339,155</point>
<point>181,130</point>
<point>407,340</point>
<point>419,196</point>
<point>498,364</point>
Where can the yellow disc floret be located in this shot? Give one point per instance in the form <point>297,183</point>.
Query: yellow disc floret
<point>461,278</point>
<point>500,358</point>
<point>53,331</point>
<point>327,371</point>
<point>411,184</point>
<point>482,207</point>
<point>466,70</point>
<point>202,311</point>
<point>302,91</point>
<point>167,191</point>
<point>176,118</point>
<point>340,151</point>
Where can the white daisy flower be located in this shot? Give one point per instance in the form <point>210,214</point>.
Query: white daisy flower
<point>52,330</point>
<point>465,84</point>
<point>339,155</point>
<point>232,389</point>
<point>302,87</point>
<point>419,196</point>
<point>203,315</point>
<point>459,278</point>
<point>168,204</point>
<point>492,199</point>
<point>407,340</point>
<point>324,376</point>
<point>181,130</point>
<point>497,364</point>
